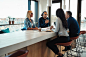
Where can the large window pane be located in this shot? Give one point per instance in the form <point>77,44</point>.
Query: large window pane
<point>33,9</point>
<point>13,8</point>
<point>83,15</point>
<point>73,8</point>
<point>54,7</point>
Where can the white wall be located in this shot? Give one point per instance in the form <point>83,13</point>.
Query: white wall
<point>73,7</point>
<point>65,5</point>
<point>42,6</point>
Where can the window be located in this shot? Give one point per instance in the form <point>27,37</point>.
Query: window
<point>54,7</point>
<point>73,8</point>
<point>13,8</point>
<point>83,15</point>
<point>33,9</point>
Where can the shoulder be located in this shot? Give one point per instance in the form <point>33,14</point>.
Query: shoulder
<point>26,19</point>
<point>41,18</point>
<point>31,19</point>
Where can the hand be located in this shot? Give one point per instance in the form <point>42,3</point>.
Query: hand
<point>51,27</point>
<point>28,28</point>
<point>36,28</point>
<point>46,21</point>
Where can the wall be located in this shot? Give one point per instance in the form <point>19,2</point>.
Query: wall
<point>42,6</point>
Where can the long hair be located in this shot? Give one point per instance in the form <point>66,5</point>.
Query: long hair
<point>61,15</point>
<point>29,14</point>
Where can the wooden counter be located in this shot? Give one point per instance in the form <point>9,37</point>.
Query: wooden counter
<point>35,42</point>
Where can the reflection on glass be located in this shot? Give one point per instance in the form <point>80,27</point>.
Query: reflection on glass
<point>83,15</point>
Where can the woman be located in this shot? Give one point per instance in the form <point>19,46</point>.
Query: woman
<point>28,23</point>
<point>61,30</point>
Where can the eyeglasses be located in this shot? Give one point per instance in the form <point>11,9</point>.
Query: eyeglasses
<point>45,14</point>
<point>31,13</point>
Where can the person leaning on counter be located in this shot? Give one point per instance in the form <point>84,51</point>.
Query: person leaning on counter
<point>28,23</point>
<point>44,20</point>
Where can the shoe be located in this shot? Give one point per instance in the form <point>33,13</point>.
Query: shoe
<point>60,56</point>
<point>67,49</point>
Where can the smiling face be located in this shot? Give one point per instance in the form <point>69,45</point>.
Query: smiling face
<point>45,15</point>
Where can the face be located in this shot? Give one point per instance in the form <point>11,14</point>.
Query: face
<point>31,15</point>
<point>45,15</point>
<point>66,16</point>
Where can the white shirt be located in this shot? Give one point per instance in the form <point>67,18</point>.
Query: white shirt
<point>59,28</point>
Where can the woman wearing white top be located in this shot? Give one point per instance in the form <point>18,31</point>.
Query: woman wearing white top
<point>61,30</point>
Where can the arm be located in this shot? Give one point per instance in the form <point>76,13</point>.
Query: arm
<point>26,24</point>
<point>41,23</point>
<point>49,22</point>
<point>68,21</point>
<point>57,26</point>
<point>32,28</point>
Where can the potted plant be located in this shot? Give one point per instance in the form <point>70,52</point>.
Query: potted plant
<point>9,19</point>
<point>13,21</point>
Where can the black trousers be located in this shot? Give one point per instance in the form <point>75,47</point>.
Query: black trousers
<point>53,47</point>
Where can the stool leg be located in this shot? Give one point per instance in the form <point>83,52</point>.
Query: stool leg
<point>67,53</point>
<point>55,55</point>
<point>60,48</point>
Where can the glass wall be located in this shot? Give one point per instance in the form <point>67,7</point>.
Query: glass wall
<point>73,8</point>
<point>14,9</point>
<point>33,9</point>
<point>54,7</point>
<point>83,15</point>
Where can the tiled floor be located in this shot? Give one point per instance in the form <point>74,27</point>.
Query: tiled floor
<point>84,49</point>
<point>76,54</point>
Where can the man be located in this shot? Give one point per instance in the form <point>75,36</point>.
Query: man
<point>44,20</point>
<point>73,26</point>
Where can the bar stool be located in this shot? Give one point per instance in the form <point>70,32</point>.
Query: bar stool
<point>64,44</point>
<point>77,46</point>
<point>84,40</point>
<point>20,53</point>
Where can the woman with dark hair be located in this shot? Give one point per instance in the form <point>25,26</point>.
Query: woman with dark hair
<point>61,31</point>
<point>44,20</point>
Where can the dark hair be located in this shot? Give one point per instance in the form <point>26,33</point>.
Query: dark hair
<point>61,15</point>
<point>69,13</point>
<point>43,13</point>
